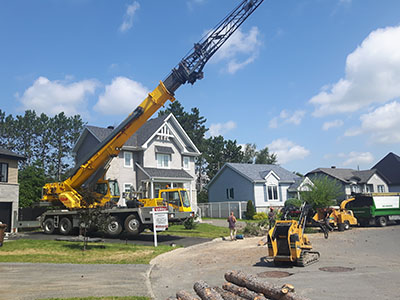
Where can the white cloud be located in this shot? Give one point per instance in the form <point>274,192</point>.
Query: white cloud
<point>53,97</point>
<point>191,3</point>
<point>286,117</point>
<point>239,50</point>
<point>121,96</point>
<point>287,150</point>
<point>372,76</point>
<point>221,128</point>
<point>382,124</point>
<point>128,17</point>
<point>355,159</point>
<point>332,124</point>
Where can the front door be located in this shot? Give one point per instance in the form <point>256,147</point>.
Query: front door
<point>5,214</point>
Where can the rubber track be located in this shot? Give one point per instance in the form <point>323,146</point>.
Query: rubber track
<point>307,258</point>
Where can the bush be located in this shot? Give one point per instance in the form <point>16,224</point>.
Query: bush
<point>260,216</point>
<point>190,224</point>
<point>250,210</point>
<point>255,229</point>
<point>294,202</point>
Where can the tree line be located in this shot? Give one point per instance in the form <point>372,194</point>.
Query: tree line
<point>45,142</point>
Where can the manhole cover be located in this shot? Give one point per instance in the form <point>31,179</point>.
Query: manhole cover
<point>336,269</point>
<point>274,274</point>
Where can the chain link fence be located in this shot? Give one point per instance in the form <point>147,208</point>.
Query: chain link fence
<point>222,209</point>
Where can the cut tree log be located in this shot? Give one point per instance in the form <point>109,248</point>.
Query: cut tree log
<point>227,295</point>
<point>243,292</point>
<point>205,292</point>
<point>254,283</point>
<point>184,295</point>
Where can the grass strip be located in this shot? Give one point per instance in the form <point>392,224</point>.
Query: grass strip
<point>38,251</point>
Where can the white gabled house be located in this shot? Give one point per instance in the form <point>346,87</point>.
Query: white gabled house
<point>265,185</point>
<point>160,153</point>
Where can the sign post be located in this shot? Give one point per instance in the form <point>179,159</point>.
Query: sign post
<point>160,221</point>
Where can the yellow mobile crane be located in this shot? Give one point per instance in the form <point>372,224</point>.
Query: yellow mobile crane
<point>91,172</point>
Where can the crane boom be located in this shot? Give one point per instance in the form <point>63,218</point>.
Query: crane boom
<point>189,70</point>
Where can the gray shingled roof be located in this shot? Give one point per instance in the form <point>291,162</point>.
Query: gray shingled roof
<point>389,167</point>
<point>346,175</point>
<point>294,186</point>
<point>162,149</point>
<point>138,138</point>
<point>257,172</point>
<point>8,153</point>
<point>167,173</point>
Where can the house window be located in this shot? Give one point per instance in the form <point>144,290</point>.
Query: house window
<point>127,187</point>
<point>163,160</point>
<point>272,192</point>
<point>369,188</point>
<point>381,188</point>
<point>186,161</point>
<point>3,172</point>
<point>355,188</point>
<point>230,193</point>
<point>128,161</point>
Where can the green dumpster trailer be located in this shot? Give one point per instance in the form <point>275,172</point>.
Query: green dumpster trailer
<point>376,208</point>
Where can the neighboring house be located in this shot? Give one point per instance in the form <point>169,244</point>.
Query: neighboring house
<point>160,153</point>
<point>265,185</point>
<point>389,168</point>
<point>353,181</point>
<point>301,184</point>
<point>9,188</point>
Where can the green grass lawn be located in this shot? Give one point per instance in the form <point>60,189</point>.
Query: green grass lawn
<point>37,251</point>
<point>102,298</point>
<point>202,230</point>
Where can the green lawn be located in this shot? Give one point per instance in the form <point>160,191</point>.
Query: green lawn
<point>102,298</point>
<point>36,251</point>
<point>202,230</point>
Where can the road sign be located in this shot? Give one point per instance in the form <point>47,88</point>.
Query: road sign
<point>160,221</point>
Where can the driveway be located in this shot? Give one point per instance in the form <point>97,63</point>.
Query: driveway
<point>370,254</point>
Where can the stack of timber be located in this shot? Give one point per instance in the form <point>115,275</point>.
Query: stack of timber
<point>240,286</point>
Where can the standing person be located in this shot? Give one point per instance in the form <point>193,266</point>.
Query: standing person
<point>232,225</point>
<point>271,217</point>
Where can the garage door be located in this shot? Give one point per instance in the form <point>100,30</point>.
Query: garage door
<point>5,214</point>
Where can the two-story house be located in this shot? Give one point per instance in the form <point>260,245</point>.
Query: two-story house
<point>9,188</point>
<point>389,168</point>
<point>353,181</point>
<point>159,154</point>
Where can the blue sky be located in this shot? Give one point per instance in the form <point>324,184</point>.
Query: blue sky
<point>317,81</point>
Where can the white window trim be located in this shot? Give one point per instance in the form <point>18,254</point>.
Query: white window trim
<point>277,192</point>
<point>130,161</point>
<point>183,162</point>
<point>169,161</point>
<point>125,185</point>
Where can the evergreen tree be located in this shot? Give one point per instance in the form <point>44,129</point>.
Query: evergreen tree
<point>264,157</point>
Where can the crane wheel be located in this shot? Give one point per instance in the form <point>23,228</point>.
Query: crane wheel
<point>114,227</point>
<point>48,226</point>
<point>133,226</point>
<point>65,226</point>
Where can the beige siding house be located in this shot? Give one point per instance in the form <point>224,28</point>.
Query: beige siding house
<point>9,188</point>
<point>160,153</point>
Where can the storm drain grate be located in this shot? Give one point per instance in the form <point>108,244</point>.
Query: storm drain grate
<point>336,269</point>
<point>274,274</point>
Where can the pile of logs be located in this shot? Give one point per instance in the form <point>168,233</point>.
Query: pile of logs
<point>240,286</point>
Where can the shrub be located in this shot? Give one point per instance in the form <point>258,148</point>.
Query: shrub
<point>294,202</point>
<point>250,210</point>
<point>260,216</point>
<point>190,224</point>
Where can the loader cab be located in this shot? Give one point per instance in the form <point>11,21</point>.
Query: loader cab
<point>108,191</point>
<point>177,198</point>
